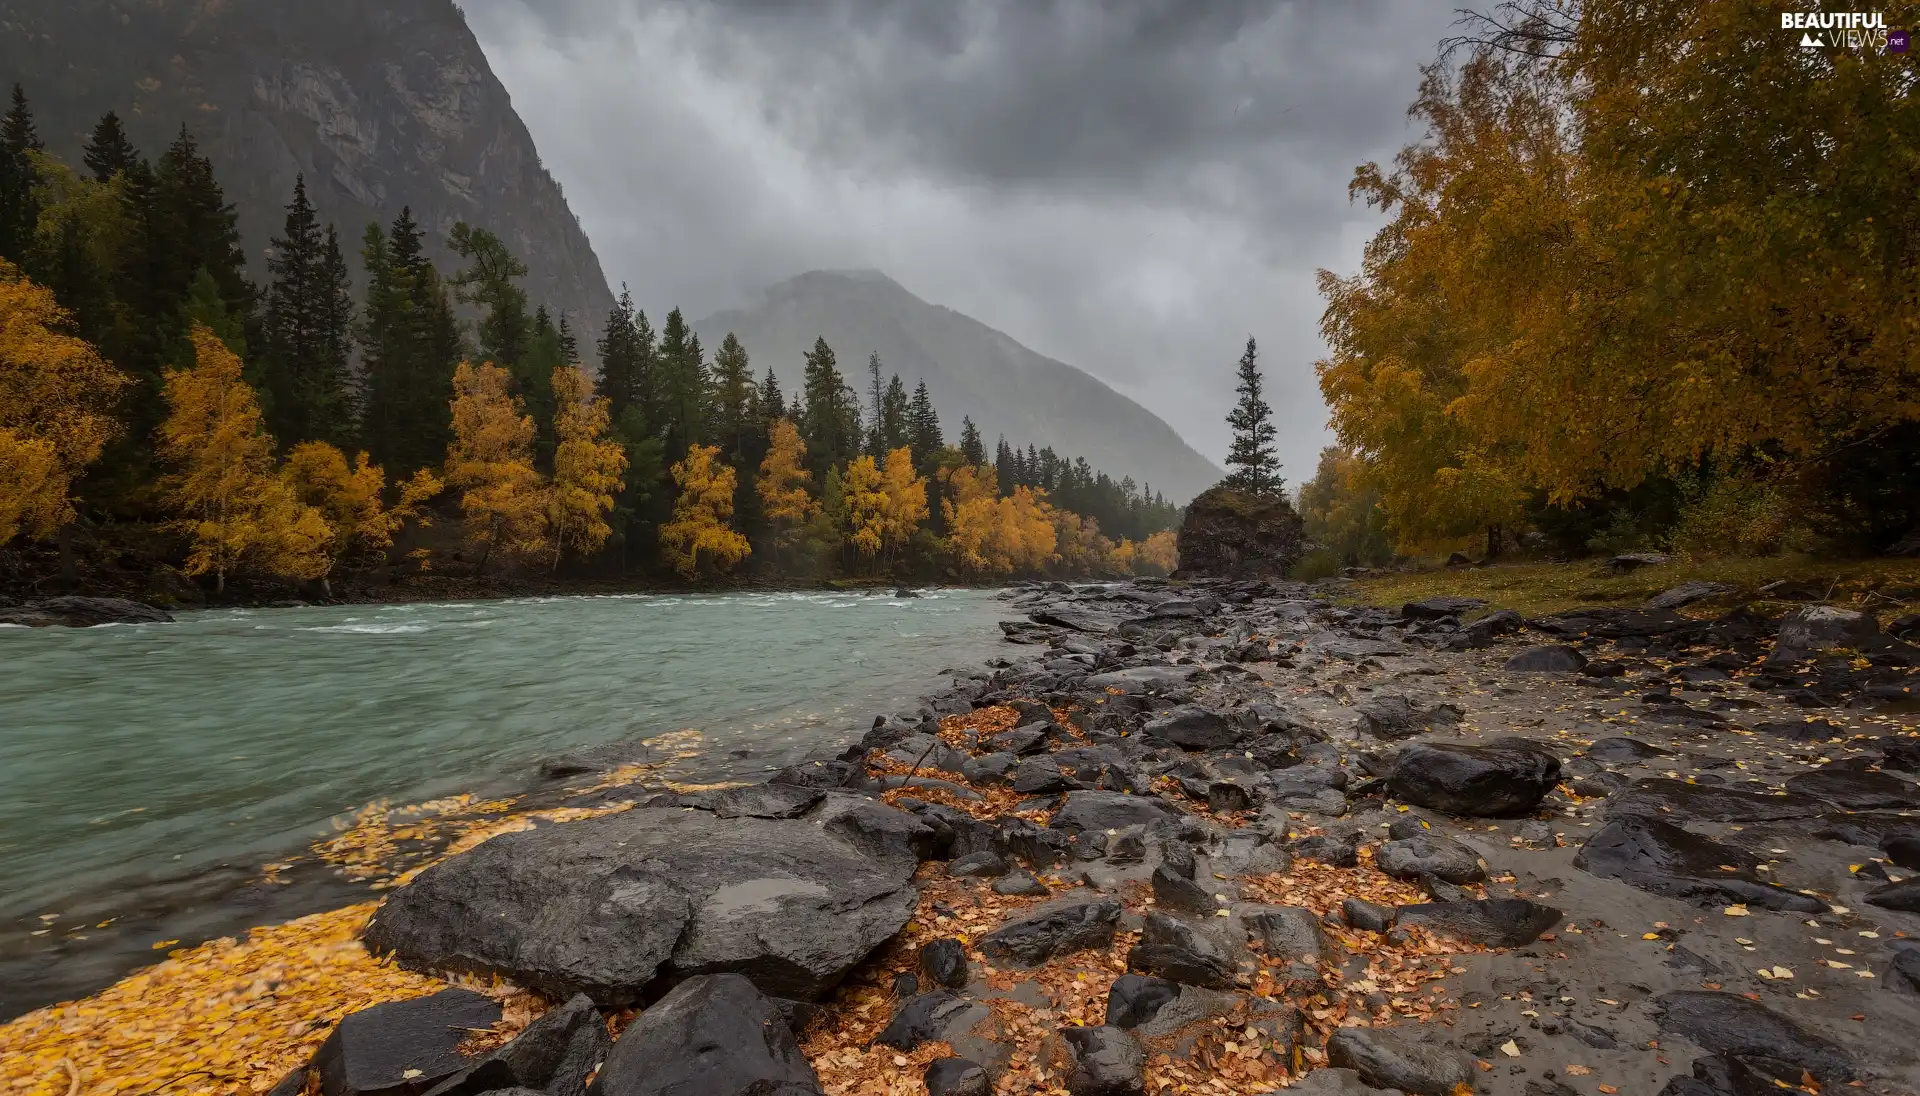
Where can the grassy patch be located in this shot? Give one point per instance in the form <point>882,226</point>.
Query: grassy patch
<point>1889,587</point>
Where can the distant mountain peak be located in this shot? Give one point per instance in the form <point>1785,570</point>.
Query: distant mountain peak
<point>970,369</point>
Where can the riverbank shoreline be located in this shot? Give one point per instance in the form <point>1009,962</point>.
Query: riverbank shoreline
<point>1231,834</point>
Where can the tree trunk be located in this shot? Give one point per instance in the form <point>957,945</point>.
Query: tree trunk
<point>69,570</point>
<point>1493,542</point>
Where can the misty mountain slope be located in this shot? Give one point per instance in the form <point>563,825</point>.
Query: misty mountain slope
<point>970,369</point>
<point>381,103</point>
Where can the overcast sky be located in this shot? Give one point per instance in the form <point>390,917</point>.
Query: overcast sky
<point>1132,187</point>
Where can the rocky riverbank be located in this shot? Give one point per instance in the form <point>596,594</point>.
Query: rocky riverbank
<point>1216,837</point>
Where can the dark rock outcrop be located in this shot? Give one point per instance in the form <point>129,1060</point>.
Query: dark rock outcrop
<point>1054,929</point>
<point>82,612</point>
<point>1388,1059</point>
<point>716,1035</point>
<point>1729,1024</point>
<point>1431,854</point>
<point>1172,949</point>
<point>1493,923</point>
<point>1233,534</point>
<point>1101,1061</point>
<point>1662,858</point>
<point>402,1046</point>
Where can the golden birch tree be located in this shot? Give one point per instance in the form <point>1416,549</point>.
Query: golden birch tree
<point>866,507</point>
<point>56,408</point>
<point>782,485</point>
<point>587,465</point>
<point>906,505</point>
<point>502,498</point>
<point>235,506</point>
<point>701,539</point>
<point>351,498</point>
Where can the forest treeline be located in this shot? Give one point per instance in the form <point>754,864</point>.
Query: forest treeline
<point>1649,279</point>
<point>296,429</point>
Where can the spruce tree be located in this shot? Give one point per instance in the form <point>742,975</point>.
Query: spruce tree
<point>971,447</point>
<point>569,343</point>
<point>830,417</point>
<point>1003,465</point>
<point>773,404</point>
<point>1251,454</point>
<point>734,415</point>
<point>490,282</point>
<point>895,426</point>
<point>923,429</point>
<point>19,206</point>
<point>410,343</point>
<point>876,428</point>
<point>108,152</point>
<point>198,228</point>
<point>619,356</point>
<point>681,374</point>
<point>308,312</point>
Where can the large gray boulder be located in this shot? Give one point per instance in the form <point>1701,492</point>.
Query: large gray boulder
<point>83,612</point>
<point>1506,776</point>
<point>1823,628</point>
<point>606,907</point>
<point>1228,533</point>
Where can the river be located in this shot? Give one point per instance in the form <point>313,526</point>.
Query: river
<point>137,753</point>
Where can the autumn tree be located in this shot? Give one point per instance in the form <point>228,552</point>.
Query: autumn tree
<point>1251,455</point>
<point>1342,513</point>
<point>865,498</point>
<point>57,398</point>
<point>238,510</point>
<point>490,463</point>
<point>351,498</point>
<point>587,465</point>
<point>785,503</point>
<point>906,501</point>
<point>700,539</point>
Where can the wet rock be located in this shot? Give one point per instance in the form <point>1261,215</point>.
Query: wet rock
<point>1100,811</point>
<point>1134,999</point>
<point>1389,1059</point>
<point>1041,775</point>
<point>956,1077</point>
<point>1686,594</point>
<point>765,801</point>
<point>1824,628</point>
<point>1633,561</point>
<point>1338,1082</point>
<point>1707,803</point>
<point>1620,750</point>
<point>1055,929</point>
<point>1026,631</point>
<point>1553,658</point>
<point>1226,797</point>
<point>1482,632</point>
<point>1901,755</point>
<point>1286,932</point>
<point>990,768</point>
<point>944,962</point>
<point>1019,882</point>
<point>1365,915</point>
<point>1022,741</point>
<point>402,1046</point>
<point>984,864</point>
<point>82,612</point>
<point>893,838</point>
<point>1176,891</point>
<point>1903,848</point>
<point>814,774</point>
<point>716,1035</point>
<point>1392,716</point>
<point>1729,1024</point>
<point>1172,949</point>
<point>1140,680</point>
<point>605,906</point>
<point>1606,623</point>
<point>1337,852</point>
<point>930,1017</point>
<point>1903,973</point>
<point>1718,1075</point>
<point>1664,859</point>
<point>1493,923</point>
<point>1903,896</point>
<point>1100,1061</point>
<point>1433,608</point>
<point>1852,785</point>
<point>554,1054</point>
<point>1034,845</point>
<point>1249,852</point>
<point>1431,854</point>
<point>1193,728</point>
<point>1506,776</point>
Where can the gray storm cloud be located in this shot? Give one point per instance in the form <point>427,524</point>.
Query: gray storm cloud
<point>1132,188</point>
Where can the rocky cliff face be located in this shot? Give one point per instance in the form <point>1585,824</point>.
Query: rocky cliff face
<point>381,103</point>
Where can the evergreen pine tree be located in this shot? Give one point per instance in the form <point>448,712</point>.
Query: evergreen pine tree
<point>108,152</point>
<point>19,206</point>
<point>972,449</point>
<point>682,379</point>
<point>876,427</point>
<point>923,429</point>
<point>1251,454</point>
<point>490,282</point>
<point>544,354</point>
<point>895,427</point>
<point>410,344</point>
<point>198,229</point>
<point>1003,465</point>
<point>569,344</point>
<point>830,417</point>
<point>773,404</point>
<point>734,415</point>
<point>619,356</point>
<point>308,313</point>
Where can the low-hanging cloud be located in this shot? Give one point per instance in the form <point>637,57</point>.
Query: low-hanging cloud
<point>1130,187</point>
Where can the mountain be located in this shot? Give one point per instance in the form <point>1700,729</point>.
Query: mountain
<point>381,103</point>
<point>970,369</point>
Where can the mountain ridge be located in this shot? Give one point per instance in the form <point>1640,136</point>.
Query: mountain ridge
<point>971,369</point>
